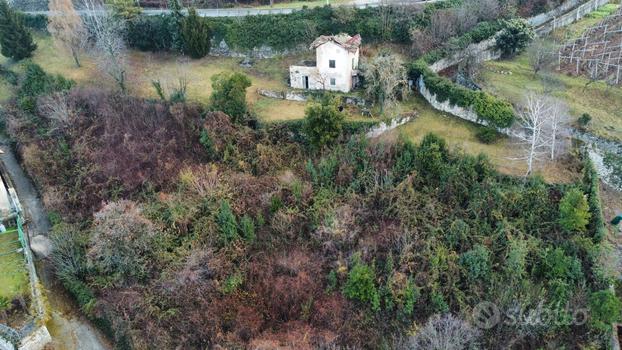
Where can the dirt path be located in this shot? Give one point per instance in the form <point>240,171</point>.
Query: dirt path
<point>28,195</point>
<point>69,329</point>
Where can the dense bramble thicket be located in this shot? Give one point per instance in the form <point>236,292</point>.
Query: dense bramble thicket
<point>179,227</point>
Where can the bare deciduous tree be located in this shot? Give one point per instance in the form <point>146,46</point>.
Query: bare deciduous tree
<point>109,47</point>
<point>444,333</point>
<point>543,120</point>
<point>385,78</point>
<point>541,54</point>
<point>558,125</point>
<point>321,78</point>
<point>533,120</point>
<point>55,107</point>
<point>66,28</point>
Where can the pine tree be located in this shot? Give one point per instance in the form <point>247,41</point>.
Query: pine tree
<point>196,35</point>
<point>15,40</point>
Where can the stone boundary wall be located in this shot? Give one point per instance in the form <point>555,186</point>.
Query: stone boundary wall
<point>301,96</point>
<point>482,51</point>
<point>222,49</point>
<point>390,125</point>
<point>542,18</point>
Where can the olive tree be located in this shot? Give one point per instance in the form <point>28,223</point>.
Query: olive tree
<point>514,37</point>
<point>386,79</point>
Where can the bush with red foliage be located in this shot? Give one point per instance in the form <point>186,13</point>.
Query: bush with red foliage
<point>113,145</point>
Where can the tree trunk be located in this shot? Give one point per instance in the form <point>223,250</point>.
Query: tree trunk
<point>76,59</point>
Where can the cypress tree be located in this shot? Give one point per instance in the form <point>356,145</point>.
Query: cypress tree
<point>15,40</point>
<point>196,35</point>
<point>175,25</point>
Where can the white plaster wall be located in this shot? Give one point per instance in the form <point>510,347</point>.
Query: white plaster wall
<point>297,72</point>
<point>342,73</point>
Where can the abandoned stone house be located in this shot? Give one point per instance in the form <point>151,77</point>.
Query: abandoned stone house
<point>335,67</point>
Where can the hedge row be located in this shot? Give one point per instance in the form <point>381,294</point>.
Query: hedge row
<point>37,22</point>
<point>293,128</point>
<point>283,31</point>
<point>288,31</point>
<point>493,110</point>
<point>591,185</point>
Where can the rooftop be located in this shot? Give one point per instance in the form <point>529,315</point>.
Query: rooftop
<point>350,43</point>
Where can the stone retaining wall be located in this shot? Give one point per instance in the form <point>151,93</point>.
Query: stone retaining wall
<point>388,126</point>
<point>301,96</point>
<point>221,49</point>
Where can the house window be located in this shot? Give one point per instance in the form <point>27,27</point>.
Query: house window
<point>331,63</point>
<point>332,81</point>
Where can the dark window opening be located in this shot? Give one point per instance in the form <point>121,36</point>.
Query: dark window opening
<point>331,63</point>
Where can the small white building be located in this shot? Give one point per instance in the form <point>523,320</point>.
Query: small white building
<point>335,67</point>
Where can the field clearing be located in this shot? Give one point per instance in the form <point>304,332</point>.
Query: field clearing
<point>13,273</point>
<point>146,67</point>
<point>461,134</point>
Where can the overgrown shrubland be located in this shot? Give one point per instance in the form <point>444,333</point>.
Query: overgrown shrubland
<point>181,227</point>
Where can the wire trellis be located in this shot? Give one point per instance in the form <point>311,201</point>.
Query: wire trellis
<point>597,54</point>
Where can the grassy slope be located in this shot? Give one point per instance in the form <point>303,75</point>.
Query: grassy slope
<point>603,103</point>
<point>13,274</point>
<point>146,66</point>
<point>462,134</point>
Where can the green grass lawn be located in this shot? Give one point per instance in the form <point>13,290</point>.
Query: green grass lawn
<point>13,273</point>
<point>146,67</point>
